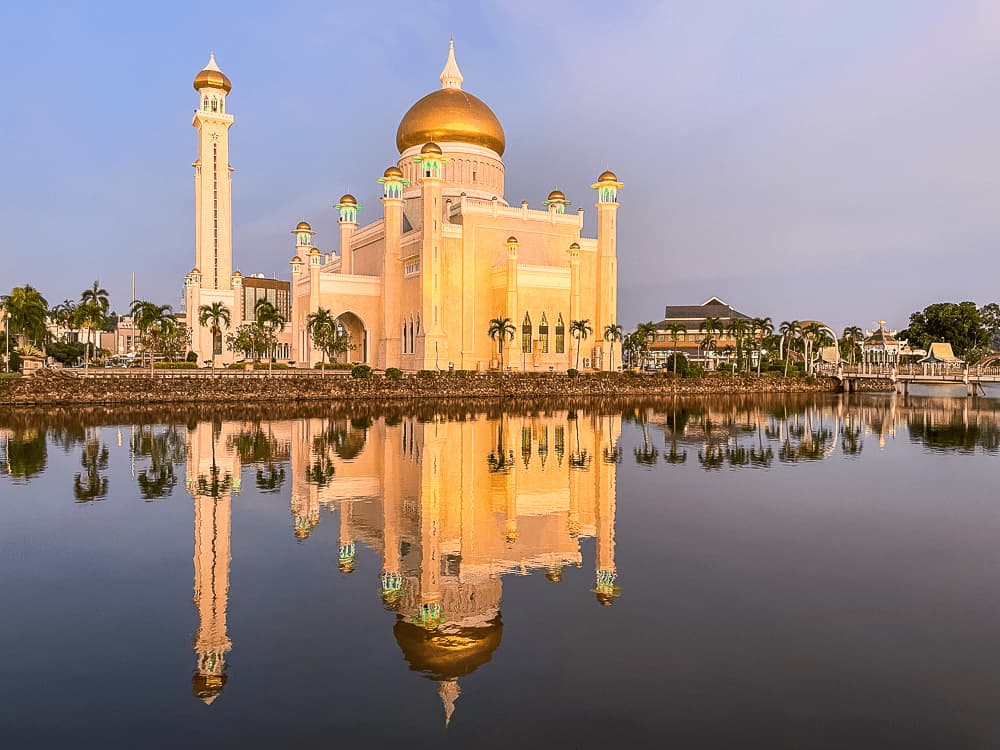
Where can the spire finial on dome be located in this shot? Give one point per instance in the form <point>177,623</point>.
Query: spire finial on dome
<point>212,64</point>
<point>451,76</point>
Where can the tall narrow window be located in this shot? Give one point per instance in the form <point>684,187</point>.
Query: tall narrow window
<point>206,104</point>
<point>543,334</point>
<point>215,104</point>
<point>560,335</point>
<point>526,334</point>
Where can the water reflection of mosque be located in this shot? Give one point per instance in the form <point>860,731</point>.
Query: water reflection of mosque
<point>451,506</point>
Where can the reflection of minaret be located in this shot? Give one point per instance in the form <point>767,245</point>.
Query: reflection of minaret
<point>345,559</point>
<point>392,576</point>
<point>605,489</point>
<point>211,593</point>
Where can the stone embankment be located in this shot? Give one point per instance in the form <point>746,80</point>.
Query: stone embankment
<point>62,388</point>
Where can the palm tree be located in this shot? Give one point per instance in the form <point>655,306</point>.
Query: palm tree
<point>269,317</point>
<point>151,320</point>
<point>502,330</point>
<point>712,328</point>
<point>675,330</point>
<point>322,328</point>
<point>644,333</point>
<point>580,330</point>
<point>216,316</point>
<point>96,296</point>
<point>852,335</point>
<point>26,311</point>
<point>762,329</point>
<point>811,334</point>
<point>612,333</point>
<point>89,315</point>
<point>737,330</point>
<point>790,330</point>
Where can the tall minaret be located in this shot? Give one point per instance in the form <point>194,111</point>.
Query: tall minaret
<point>607,187</point>
<point>212,181</point>
<point>431,163</point>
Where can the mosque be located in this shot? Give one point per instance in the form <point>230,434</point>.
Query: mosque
<point>417,287</point>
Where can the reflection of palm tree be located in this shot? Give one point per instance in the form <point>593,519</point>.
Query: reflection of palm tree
<point>164,450</point>
<point>711,458</point>
<point>270,477</point>
<point>27,454</point>
<point>648,454</point>
<point>216,483</point>
<point>94,459</point>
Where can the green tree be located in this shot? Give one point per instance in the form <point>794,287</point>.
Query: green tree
<point>580,330</point>
<point>159,332</point>
<point>612,333</point>
<point>989,316</point>
<point>91,317</point>
<point>761,330</point>
<point>319,325</point>
<point>851,340</point>
<point>676,330</point>
<point>645,333</point>
<point>957,324</point>
<point>501,330</point>
<point>26,313</point>
<point>270,318</point>
<point>216,316</point>
<point>738,330</point>
<point>712,328</point>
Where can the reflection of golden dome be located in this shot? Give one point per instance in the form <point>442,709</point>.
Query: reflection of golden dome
<point>393,172</point>
<point>303,226</point>
<point>348,200</point>
<point>206,687</point>
<point>448,115</point>
<point>554,575</point>
<point>557,195</point>
<point>605,600</point>
<point>447,655</point>
<point>346,566</point>
<point>211,77</point>
<point>608,176</point>
<point>301,533</point>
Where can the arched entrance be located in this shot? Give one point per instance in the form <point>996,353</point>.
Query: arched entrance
<point>357,332</point>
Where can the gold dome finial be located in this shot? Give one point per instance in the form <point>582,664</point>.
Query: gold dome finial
<point>348,200</point>
<point>451,76</point>
<point>393,172</point>
<point>430,148</point>
<point>212,77</point>
<point>303,226</point>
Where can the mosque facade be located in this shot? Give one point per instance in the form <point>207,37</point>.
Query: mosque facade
<point>417,287</point>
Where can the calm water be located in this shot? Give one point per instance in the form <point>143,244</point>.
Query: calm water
<point>780,572</point>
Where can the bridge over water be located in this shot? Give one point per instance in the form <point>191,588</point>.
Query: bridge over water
<point>973,378</point>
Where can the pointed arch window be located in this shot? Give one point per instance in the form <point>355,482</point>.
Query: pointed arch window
<point>560,335</point>
<point>543,334</point>
<point>526,334</point>
<point>406,349</point>
<point>215,104</point>
<point>205,105</point>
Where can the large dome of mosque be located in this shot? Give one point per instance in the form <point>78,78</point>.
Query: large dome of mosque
<point>451,115</point>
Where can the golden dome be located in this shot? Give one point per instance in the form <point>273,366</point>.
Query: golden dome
<point>557,195</point>
<point>237,275</point>
<point>608,176</point>
<point>393,172</point>
<point>211,77</point>
<point>303,226</point>
<point>575,246</point>
<point>296,259</point>
<point>430,148</point>
<point>314,251</point>
<point>451,114</point>
<point>195,271</point>
<point>512,240</point>
<point>348,200</point>
<point>447,655</point>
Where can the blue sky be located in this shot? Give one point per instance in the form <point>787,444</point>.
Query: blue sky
<point>808,159</point>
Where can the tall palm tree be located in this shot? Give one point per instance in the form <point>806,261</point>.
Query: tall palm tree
<point>91,316</point>
<point>320,326</point>
<point>712,328</point>
<point>612,333</point>
<point>270,318</point>
<point>853,335</point>
<point>96,296</point>
<point>762,329</point>
<point>580,330</point>
<point>675,330</point>
<point>502,330</point>
<point>737,330</point>
<point>810,334</point>
<point>644,333</point>
<point>216,316</point>
<point>790,330</point>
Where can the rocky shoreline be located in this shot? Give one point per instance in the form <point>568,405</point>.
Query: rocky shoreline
<point>61,388</point>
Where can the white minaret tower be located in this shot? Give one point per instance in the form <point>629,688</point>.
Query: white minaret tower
<point>213,207</point>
